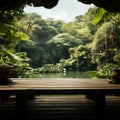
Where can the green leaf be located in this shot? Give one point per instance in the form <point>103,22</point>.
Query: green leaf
<point>24,36</point>
<point>99,16</point>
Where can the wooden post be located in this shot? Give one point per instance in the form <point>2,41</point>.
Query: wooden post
<point>100,104</point>
<point>21,105</point>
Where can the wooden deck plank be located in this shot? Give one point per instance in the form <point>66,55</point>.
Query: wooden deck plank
<point>99,88</point>
<point>55,84</point>
<point>70,107</point>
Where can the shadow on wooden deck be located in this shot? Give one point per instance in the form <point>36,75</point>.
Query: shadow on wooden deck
<point>68,107</point>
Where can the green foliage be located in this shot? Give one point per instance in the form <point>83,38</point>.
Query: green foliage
<point>8,25</point>
<point>51,40</point>
<point>40,33</point>
<point>69,28</point>
<point>116,58</point>
<point>7,57</point>
<point>22,67</point>
<point>57,24</point>
<point>18,61</point>
<point>48,68</point>
<point>64,39</point>
<point>11,36</point>
<point>101,40</point>
<point>78,30</point>
<point>105,70</point>
<point>80,59</point>
<point>99,17</point>
<point>60,44</point>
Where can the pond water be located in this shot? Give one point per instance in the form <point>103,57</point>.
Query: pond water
<point>88,74</point>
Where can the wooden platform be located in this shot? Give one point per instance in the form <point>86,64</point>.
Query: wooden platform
<point>59,98</point>
<point>55,107</point>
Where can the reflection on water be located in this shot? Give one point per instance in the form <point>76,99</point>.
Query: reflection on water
<point>64,75</point>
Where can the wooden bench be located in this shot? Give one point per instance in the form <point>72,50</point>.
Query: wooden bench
<point>23,87</point>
